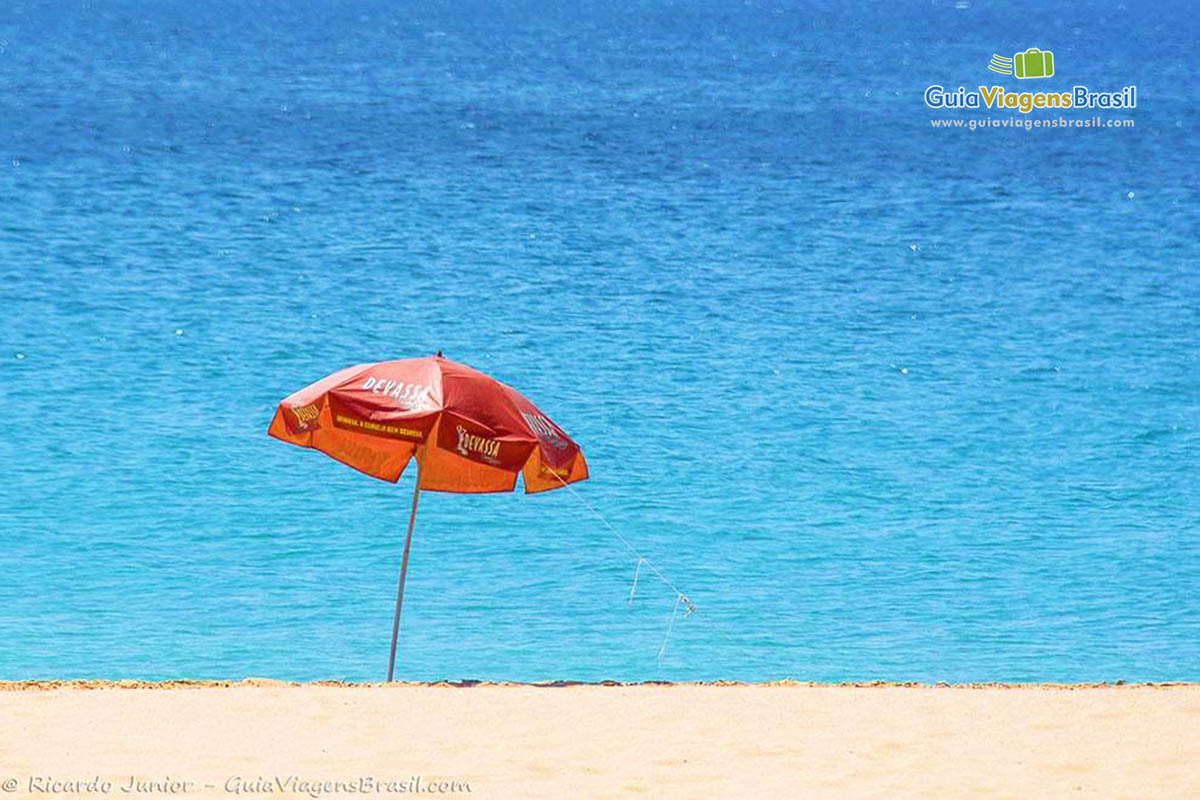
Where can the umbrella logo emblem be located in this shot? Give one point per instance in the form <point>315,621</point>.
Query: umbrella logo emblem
<point>305,415</point>
<point>545,430</point>
<point>468,443</point>
<point>410,396</point>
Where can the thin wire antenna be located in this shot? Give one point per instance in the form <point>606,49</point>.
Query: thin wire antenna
<point>662,651</point>
<point>682,598</point>
<point>636,572</point>
<point>733,636</point>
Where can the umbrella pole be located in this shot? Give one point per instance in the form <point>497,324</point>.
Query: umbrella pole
<point>412,520</point>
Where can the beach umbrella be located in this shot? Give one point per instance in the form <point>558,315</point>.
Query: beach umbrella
<point>468,432</point>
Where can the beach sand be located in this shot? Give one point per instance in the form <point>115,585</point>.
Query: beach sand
<point>598,741</point>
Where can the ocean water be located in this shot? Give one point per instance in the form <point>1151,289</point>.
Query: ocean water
<point>886,402</point>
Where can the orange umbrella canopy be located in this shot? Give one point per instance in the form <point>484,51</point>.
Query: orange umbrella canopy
<point>477,433</point>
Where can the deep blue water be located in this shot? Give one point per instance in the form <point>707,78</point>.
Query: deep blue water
<point>886,401</point>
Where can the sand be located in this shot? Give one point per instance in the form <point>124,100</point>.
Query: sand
<point>267,740</point>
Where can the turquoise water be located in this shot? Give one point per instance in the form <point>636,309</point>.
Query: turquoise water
<point>885,401</point>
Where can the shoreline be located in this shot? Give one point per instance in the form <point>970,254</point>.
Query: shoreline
<point>97,684</point>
